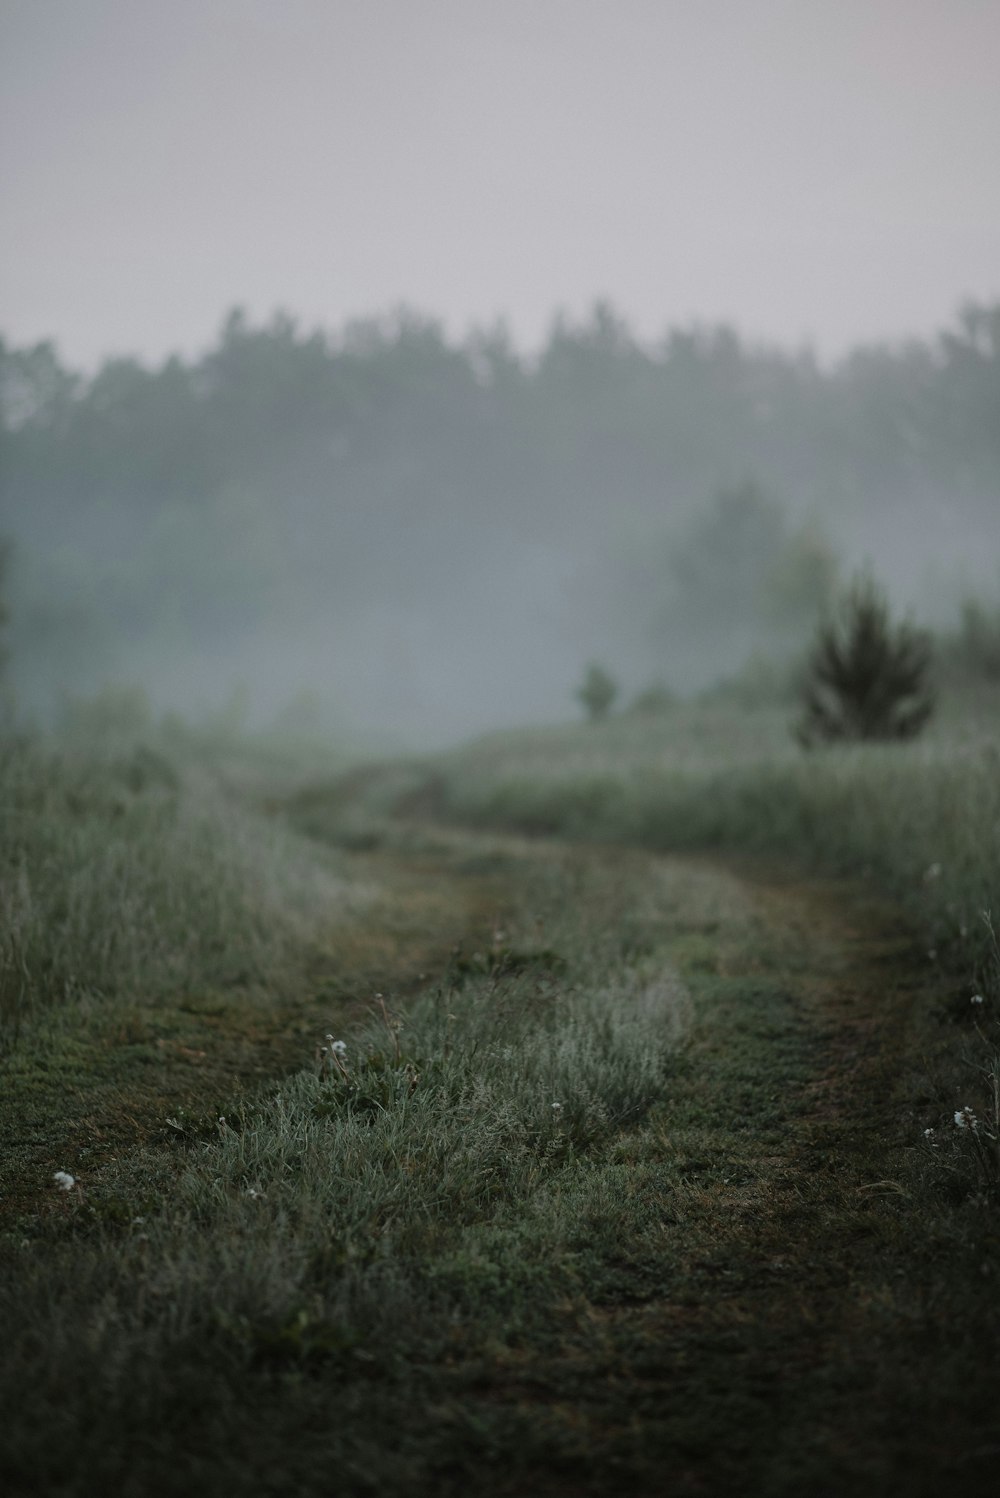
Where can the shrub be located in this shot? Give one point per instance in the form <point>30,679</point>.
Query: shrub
<point>865,678</point>
<point>597,692</point>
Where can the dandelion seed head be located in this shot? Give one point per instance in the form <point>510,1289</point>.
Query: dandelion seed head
<point>64,1180</point>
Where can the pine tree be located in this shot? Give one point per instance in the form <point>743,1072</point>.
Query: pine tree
<point>865,677</point>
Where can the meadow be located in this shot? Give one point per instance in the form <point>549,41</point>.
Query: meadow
<point>522,1116</point>
<point>922,818</point>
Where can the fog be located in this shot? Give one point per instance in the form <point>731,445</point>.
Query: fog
<point>615,333</point>
<point>432,539</point>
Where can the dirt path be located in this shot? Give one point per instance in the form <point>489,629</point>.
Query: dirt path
<point>790,1279</point>
<point>786,1318</point>
<point>782,1330</point>
<point>86,1092</point>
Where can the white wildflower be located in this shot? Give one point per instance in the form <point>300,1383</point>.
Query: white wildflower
<point>556,1107</point>
<point>965,1118</point>
<point>977,998</point>
<point>928,1133</point>
<point>64,1180</point>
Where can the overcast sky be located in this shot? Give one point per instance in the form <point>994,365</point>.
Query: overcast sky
<point>822,170</point>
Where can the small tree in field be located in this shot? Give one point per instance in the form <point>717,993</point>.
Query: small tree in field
<point>865,677</point>
<point>597,693</point>
<point>4,562</point>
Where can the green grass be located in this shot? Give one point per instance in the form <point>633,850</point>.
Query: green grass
<point>918,821</point>
<point>729,1260</point>
<point>420,1275</point>
<point>343,1227</point>
<point>923,819</point>
<point>129,875</point>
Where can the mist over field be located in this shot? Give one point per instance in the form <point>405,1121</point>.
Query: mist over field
<point>703,317</point>
<point>499,732</point>
<point>382,529</point>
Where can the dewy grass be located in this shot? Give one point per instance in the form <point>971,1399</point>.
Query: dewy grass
<point>926,823</point>
<point>133,875</point>
<point>918,821</point>
<point>463,1118</point>
<point>522,1240</point>
<point>516,1227</point>
<point>363,1219</point>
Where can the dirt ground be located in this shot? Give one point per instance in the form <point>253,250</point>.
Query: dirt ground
<point>801,1302</point>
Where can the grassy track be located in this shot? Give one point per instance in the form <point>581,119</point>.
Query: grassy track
<point>99,1084</point>
<point>728,1261</point>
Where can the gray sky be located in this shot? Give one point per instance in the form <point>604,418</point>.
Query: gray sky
<point>808,169</point>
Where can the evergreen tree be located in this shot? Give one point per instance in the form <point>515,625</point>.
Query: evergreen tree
<point>865,678</point>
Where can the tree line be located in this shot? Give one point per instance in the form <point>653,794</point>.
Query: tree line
<point>653,492</point>
<point>275,403</point>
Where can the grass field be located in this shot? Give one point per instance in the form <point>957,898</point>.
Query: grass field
<point>922,819</point>
<point>570,1114</point>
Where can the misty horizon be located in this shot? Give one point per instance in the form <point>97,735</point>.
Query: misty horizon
<point>494,327</point>
<point>421,539</point>
<point>608,332</point>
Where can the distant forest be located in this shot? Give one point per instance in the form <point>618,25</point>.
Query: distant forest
<point>407,523</point>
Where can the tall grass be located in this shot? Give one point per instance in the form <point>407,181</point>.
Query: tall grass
<point>129,872</point>
<point>921,819</point>
<point>277,1298</point>
<point>918,821</point>
<point>361,1222</point>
